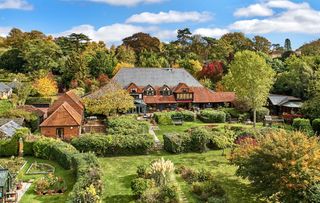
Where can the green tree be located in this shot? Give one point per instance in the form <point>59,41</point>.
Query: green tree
<point>287,45</point>
<point>261,44</point>
<point>73,43</point>
<point>152,59</point>
<point>126,55</point>
<point>251,78</point>
<point>238,41</point>
<point>311,49</point>
<point>184,36</point>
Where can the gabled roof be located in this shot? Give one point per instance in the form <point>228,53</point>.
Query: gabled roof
<point>155,77</point>
<point>9,128</point>
<point>4,175</point>
<point>280,100</point>
<point>69,97</point>
<point>32,109</point>
<point>180,88</point>
<point>16,120</point>
<point>4,87</point>
<point>64,115</point>
<point>204,95</point>
<point>132,85</point>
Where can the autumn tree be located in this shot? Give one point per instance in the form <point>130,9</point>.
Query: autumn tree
<point>251,78</point>
<point>121,65</point>
<point>142,41</point>
<point>110,99</point>
<point>261,44</point>
<point>126,54</point>
<point>191,65</point>
<point>46,86</point>
<point>212,70</point>
<point>283,166</point>
<point>238,41</point>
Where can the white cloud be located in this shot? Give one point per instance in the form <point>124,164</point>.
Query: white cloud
<point>126,2</point>
<point>15,4</point>
<point>4,31</point>
<point>211,32</point>
<point>165,35</point>
<point>169,17</point>
<point>254,10</point>
<point>112,34</point>
<point>293,17</point>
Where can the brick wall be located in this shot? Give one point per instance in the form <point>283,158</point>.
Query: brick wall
<point>69,132</point>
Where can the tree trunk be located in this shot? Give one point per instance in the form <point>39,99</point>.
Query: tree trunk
<point>254,117</point>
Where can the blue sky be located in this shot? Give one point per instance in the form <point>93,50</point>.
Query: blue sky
<point>112,20</point>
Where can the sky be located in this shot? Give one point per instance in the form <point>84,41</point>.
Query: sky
<point>112,20</point>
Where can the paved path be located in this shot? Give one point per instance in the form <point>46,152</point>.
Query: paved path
<point>155,138</point>
<point>25,187</point>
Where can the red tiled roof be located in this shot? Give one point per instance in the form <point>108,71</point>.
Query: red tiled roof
<point>69,97</point>
<point>159,99</point>
<point>204,95</point>
<point>32,109</point>
<point>64,115</point>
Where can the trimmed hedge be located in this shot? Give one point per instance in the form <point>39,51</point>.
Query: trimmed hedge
<point>56,150</point>
<point>302,124</point>
<point>106,145</point>
<point>316,125</point>
<point>186,115</point>
<point>212,116</point>
<point>230,113</point>
<point>127,125</point>
<point>39,100</point>
<point>165,118</point>
<point>194,141</point>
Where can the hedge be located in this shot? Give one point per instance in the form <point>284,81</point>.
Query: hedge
<point>194,141</point>
<point>127,125</point>
<point>163,118</point>
<point>230,113</point>
<point>88,175</point>
<point>9,147</point>
<point>302,125</point>
<point>186,115</point>
<point>261,113</point>
<point>212,116</point>
<point>108,145</point>
<point>39,100</point>
<point>316,125</point>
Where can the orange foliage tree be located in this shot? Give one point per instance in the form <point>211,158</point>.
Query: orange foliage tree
<point>46,86</point>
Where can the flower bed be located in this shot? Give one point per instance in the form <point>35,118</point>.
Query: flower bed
<point>50,185</point>
<point>40,168</point>
<point>14,164</point>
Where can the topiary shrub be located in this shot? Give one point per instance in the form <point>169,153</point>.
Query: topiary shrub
<point>199,139</point>
<point>186,115</point>
<point>177,143</point>
<point>163,118</point>
<point>316,125</point>
<point>302,124</point>
<point>212,116</point>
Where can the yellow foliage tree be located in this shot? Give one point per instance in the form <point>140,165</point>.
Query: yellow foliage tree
<point>46,86</point>
<point>121,65</point>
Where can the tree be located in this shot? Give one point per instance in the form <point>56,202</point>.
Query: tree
<point>110,99</point>
<point>287,45</point>
<point>126,55</point>
<point>261,44</point>
<point>22,92</point>
<point>73,43</point>
<point>192,66</point>
<point>311,49</point>
<point>238,41</point>
<point>251,78</point>
<point>282,166</point>
<point>151,59</point>
<point>46,86</point>
<point>121,65</point>
<point>184,36</point>
<point>142,41</point>
<point>212,70</point>
<point>40,54</point>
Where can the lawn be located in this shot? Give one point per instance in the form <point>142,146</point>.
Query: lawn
<point>5,106</point>
<point>30,195</point>
<point>119,171</point>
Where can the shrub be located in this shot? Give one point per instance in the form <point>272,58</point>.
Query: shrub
<point>243,117</point>
<point>199,139</point>
<point>9,147</point>
<point>56,150</point>
<point>261,113</point>
<point>212,116</point>
<point>191,175</point>
<point>39,100</point>
<point>32,120</point>
<point>302,125</point>
<point>162,171</point>
<point>314,193</point>
<point>127,125</point>
<point>163,118</point>
<point>316,125</point>
<point>142,171</point>
<point>209,191</point>
<point>88,186</point>
<point>230,113</point>
<point>139,185</point>
<point>106,145</point>
<point>273,166</point>
<point>177,143</point>
<point>186,115</point>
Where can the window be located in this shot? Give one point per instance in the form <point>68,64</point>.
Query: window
<point>185,90</point>
<point>165,91</point>
<point>184,96</point>
<point>60,133</point>
<point>149,91</point>
<point>134,90</point>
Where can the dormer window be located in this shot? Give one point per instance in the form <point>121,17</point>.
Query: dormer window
<point>149,91</point>
<point>165,91</point>
<point>134,90</point>
<point>185,90</point>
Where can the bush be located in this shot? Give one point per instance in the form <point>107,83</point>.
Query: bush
<point>316,125</point>
<point>230,113</point>
<point>278,157</point>
<point>186,115</point>
<point>199,139</point>
<point>163,118</point>
<point>32,120</point>
<point>106,145</point>
<point>261,113</point>
<point>177,143</point>
<point>127,125</point>
<point>191,175</point>
<point>56,150</point>
<point>9,147</point>
<point>212,116</point>
<point>139,185</point>
<point>302,124</point>
<point>209,191</point>
<point>88,186</point>
<point>314,193</point>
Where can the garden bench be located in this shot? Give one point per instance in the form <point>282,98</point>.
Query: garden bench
<point>268,120</point>
<point>177,120</point>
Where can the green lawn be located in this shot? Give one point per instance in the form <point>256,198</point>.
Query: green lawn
<point>5,105</point>
<point>30,195</point>
<point>119,171</point>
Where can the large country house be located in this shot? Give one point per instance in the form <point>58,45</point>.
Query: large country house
<point>65,117</point>
<point>167,88</point>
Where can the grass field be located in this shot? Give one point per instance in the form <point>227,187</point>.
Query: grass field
<point>119,171</point>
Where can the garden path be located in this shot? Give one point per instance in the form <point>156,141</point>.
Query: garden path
<point>25,187</point>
